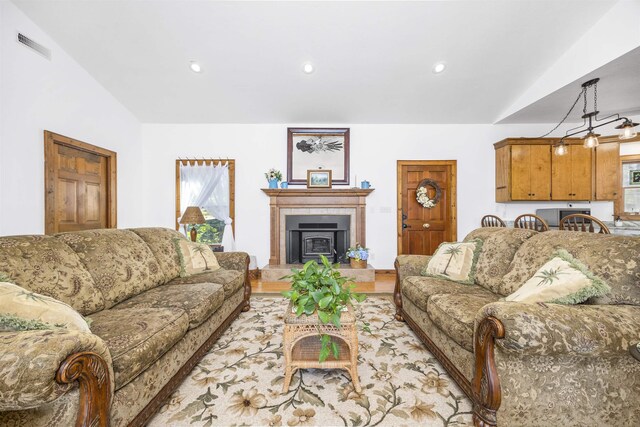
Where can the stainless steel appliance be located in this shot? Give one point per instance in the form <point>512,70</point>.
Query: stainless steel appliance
<point>553,216</point>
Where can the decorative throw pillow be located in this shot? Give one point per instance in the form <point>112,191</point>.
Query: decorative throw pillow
<point>22,310</point>
<point>195,257</point>
<point>455,261</point>
<point>562,280</point>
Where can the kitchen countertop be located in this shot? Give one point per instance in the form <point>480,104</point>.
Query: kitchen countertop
<point>626,225</point>
<point>628,228</point>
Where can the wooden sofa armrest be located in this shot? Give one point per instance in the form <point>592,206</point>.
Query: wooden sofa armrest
<point>406,266</point>
<point>44,365</point>
<point>91,372</point>
<point>485,385</point>
<point>557,330</point>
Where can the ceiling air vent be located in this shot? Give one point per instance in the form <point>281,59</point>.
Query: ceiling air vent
<point>35,46</point>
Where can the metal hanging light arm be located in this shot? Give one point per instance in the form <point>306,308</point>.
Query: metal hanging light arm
<point>591,127</point>
<point>590,120</point>
<point>584,123</point>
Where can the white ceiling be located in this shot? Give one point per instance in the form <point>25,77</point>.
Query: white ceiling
<point>618,92</point>
<point>373,59</point>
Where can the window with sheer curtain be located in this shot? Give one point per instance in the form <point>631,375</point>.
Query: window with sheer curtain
<point>208,184</point>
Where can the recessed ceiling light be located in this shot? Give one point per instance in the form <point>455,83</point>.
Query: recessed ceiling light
<point>307,67</point>
<point>439,67</point>
<point>195,67</point>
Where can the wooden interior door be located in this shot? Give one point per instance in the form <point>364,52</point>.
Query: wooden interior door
<point>420,229</point>
<point>79,184</point>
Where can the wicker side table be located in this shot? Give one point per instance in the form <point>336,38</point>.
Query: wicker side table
<point>301,345</point>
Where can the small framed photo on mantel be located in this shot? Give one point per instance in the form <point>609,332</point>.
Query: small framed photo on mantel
<point>318,178</point>
<point>315,149</point>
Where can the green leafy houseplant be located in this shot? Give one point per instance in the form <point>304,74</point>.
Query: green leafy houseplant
<point>321,288</point>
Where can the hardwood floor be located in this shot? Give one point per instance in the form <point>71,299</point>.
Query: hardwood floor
<point>384,284</point>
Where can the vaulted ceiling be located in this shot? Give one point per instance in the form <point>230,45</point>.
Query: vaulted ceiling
<point>618,92</point>
<point>373,60</point>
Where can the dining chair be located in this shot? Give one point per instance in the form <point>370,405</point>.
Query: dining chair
<point>492,221</point>
<point>531,222</point>
<point>584,223</point>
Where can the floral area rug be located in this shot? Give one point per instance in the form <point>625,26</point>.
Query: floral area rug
<point>239,382</point>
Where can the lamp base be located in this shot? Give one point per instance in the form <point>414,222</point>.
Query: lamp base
<point>194,233</point>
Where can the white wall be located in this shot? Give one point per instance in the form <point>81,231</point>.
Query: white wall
<point>2,155</point>
<point>60,96</point>
<point>374,151</point>
<point>616,33</point>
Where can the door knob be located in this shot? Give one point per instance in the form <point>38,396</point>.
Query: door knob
<point>426,225</point>
<point>405,226</point>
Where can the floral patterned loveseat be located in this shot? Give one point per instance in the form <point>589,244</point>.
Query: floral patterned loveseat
<point>149,327</point>
<point>533,364</point>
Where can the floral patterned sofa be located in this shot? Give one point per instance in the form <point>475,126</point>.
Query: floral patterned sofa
<point>533,364</point>
<point>149,327</point>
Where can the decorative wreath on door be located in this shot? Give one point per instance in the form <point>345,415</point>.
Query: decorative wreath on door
<point>422,193</point>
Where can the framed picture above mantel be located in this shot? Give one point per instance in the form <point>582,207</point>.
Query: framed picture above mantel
<point>317,148</point>
<point>319,178</point>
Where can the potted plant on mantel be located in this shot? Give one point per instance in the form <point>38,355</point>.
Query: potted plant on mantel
<point>358,256</point>
<point>320,288</point>
<point>273,177</point>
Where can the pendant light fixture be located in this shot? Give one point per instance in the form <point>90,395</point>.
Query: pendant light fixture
<point>627,130</point>
<point>590,121</point>
<point>560,148</point>
<point>591,140</point>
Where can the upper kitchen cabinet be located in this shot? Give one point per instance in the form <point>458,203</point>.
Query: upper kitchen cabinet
<point>571,177</point>
<point>607,171</point>
<point>523,171</point>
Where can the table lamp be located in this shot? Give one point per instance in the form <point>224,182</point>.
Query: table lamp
<point>192,215</point>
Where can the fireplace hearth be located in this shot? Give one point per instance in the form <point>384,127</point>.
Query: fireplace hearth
<point>309,236</point>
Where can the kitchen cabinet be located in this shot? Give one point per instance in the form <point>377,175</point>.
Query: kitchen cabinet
<point>607,171</point>
<point>530,171</point>
<point>523,172</point>
<point>571,177</point>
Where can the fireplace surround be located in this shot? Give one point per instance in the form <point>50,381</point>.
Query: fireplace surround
<point>349,202</point>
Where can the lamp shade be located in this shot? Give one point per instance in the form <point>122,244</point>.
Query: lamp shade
<point>627,130</point>
<point>591,140</point>
<point>560,149</point>
<point>192,215</point>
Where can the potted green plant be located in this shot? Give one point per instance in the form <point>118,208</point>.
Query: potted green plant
<point>358,256</point>
<point>273,177</point>
<point>321,288</point>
